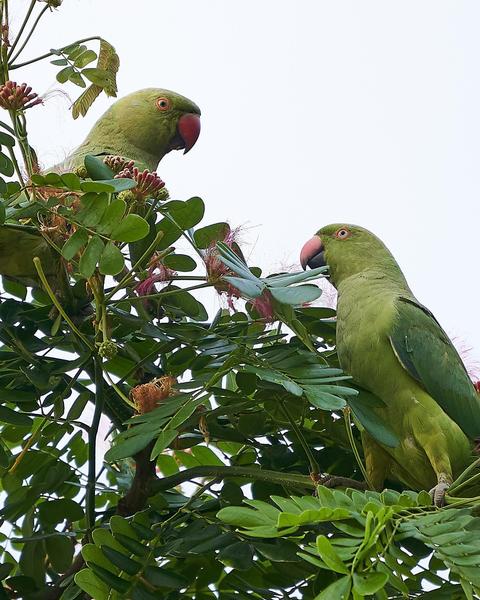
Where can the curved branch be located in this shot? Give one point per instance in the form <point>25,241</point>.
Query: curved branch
<point>47,54</point>
<point>257,474</point>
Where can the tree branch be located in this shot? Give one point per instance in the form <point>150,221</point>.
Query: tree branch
<point>47,54</point>
<point>286,479</point>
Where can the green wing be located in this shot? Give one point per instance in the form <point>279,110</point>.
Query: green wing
<point>18,246</point>
<point>426,352</point>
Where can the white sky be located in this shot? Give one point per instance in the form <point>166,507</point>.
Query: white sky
<point>313,112</point>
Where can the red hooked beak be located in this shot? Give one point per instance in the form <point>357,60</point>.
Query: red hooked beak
<point>312,254</point>
<point>189,129</point>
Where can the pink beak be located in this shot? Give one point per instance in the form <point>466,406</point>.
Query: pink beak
<point>313,247</point>
<point>189,129</point>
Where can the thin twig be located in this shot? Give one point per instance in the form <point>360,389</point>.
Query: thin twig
<point>184,233</point>
<point>47,54</point>
<point>314,466</point>
<point>22,28</point>
<point>119,391</point>
<point>92,440</point>
<point>348,427</point>
<point>129,275</point>
<point>34,26</point>
<point>16,166</point>
<point>161,294</point>
<point>38,265</point>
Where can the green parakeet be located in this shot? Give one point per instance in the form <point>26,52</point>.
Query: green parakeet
<point>394,348</point>
<point>143,127</point>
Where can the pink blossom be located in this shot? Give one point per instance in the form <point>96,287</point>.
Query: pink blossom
<point>467,355</point>
<point>216,269</point>
<point>157,272</point>
<point>264,306</point>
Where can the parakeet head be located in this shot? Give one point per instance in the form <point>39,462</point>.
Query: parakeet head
<point>347,250</point>
<point>153,120</point>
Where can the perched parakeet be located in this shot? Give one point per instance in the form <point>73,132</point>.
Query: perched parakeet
<point>394,348</point>
<point>143,127</point>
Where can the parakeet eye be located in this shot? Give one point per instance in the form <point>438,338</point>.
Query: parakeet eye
<point>342,233</point>
<point>163,103</point>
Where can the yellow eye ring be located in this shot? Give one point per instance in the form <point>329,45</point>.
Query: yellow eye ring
<point>163,103</point>
<point>343,233</point>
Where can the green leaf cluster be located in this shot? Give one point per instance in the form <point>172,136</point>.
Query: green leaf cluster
<point>281,287</point>
<point>367,540</point>
<point>75,60</point>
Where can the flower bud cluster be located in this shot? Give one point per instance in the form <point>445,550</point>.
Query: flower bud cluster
<point>107,349</point>
<point>14,96</point>
<point>149,184</point>
<point>118,163</point>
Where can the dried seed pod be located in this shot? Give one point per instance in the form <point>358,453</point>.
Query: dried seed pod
<point>147,396</point>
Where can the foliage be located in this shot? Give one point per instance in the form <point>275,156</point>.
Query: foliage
<point>250,405</point>
<point>370,542</point>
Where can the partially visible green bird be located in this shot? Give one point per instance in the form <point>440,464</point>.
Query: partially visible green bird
<point>394,348</point>
<point>18,246</point>
<point>143,126</point>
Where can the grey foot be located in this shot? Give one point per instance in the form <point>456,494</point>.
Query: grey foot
<point>438,492</point>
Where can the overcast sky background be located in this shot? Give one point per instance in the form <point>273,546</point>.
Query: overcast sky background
<point>312,112</point>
